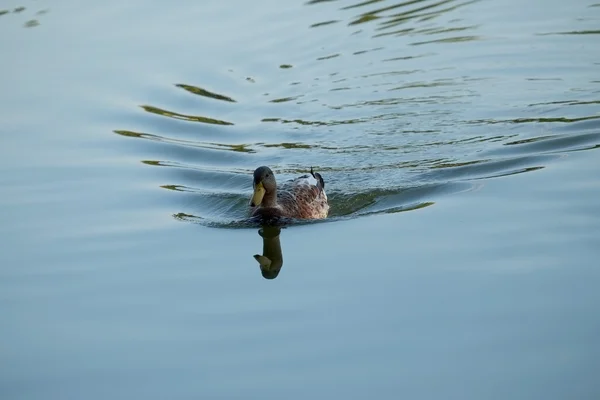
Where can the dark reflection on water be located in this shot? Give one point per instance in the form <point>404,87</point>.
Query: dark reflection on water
<point>416,104</point>
<point>30,23</point>
<point>271,259</point>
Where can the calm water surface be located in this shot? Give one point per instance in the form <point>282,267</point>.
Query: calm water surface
<point>458,143</point>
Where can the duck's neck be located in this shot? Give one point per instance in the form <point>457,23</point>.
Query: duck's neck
<point>270,199</point>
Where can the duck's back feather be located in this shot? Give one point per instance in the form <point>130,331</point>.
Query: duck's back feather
<point>303,197</point>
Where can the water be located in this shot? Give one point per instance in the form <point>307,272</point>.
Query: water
<point>457,141</point>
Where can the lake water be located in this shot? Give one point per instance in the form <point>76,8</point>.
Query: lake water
<point>458,141</point>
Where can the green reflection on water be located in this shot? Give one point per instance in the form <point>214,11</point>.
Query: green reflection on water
<point>324,23</point>
<point>364,18</point>
<point>31,23</point>
<point>290,145</point>
<point>203,92</point>
<point>328,123</point>
<point>194,118</point>
<point>530,120</point>
<point>328,57</point>
<point>594,32</point>
<point>455,39</point>
<point>425,10</point>
<point>204,145</point>
<point>284,99</point>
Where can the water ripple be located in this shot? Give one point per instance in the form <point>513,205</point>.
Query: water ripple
<point>422,101</point>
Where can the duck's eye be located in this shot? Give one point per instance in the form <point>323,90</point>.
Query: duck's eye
<point>267,175</point>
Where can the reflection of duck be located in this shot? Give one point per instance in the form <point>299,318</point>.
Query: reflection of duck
<point>303,197</point>
<point>271,260</point>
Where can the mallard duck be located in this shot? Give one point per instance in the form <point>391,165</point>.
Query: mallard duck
<point>303,197</point>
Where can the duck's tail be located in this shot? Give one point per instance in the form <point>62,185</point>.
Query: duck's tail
<point>319,178</point>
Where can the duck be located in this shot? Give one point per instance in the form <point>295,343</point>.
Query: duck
<point>301,198</point>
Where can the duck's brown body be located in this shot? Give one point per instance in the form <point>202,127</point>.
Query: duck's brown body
<point>303,197</point>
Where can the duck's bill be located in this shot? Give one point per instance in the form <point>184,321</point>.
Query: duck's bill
<point>257,197</point>
<point>264,262</point>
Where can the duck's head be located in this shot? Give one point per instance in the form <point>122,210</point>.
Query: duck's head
<point>264,185</point>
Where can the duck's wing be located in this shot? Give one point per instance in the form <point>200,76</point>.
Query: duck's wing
<point>306,188</point>
<point>304,197</point>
